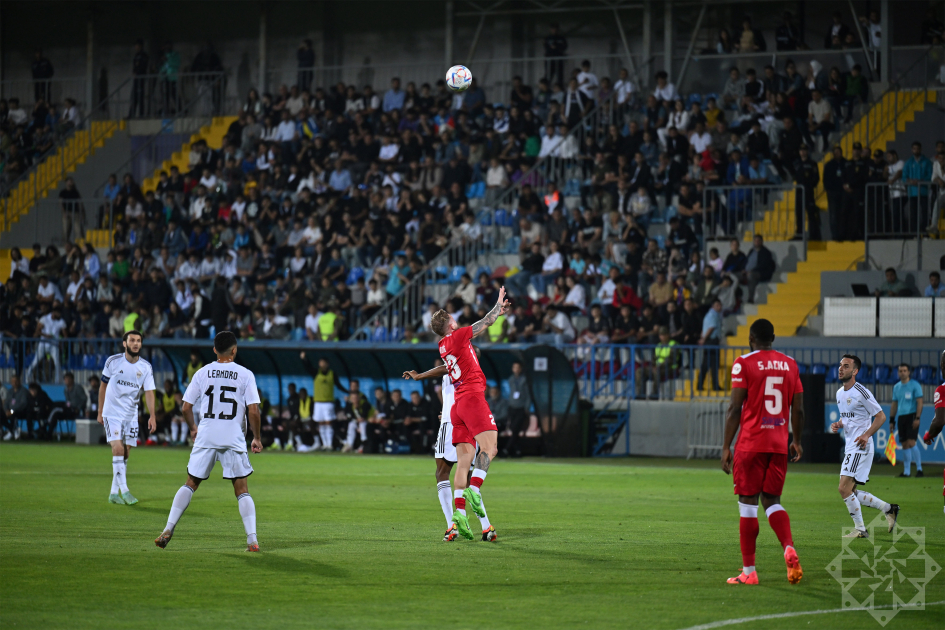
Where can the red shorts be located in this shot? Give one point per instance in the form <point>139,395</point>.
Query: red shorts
<point>470,416</point>
<point>759,472</point>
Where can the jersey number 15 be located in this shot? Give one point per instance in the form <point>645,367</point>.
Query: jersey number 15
<point>223,399</point>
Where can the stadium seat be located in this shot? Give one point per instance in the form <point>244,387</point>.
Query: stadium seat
<point>884,374</point>
<point>483,270</point>
<point>379,334</point>
<point>456,274</point>
<point>485,218</point>
<point>925,374</point>
<point>802,368</point>
<point>693,98</point>
<point>865,375</point>
<point>396,334</point>
<point>499,272</point>
<point>442,274</point>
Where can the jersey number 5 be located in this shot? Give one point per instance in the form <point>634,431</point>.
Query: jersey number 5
<point>453,366</point>
<point>223,399</point>
<point>774,405</point>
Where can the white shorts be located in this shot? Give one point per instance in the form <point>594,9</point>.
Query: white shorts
<point>444,448</point>
<point>857,464</point>
<point>118,430</point>
<point>324,412</point>
<point>235,464</point>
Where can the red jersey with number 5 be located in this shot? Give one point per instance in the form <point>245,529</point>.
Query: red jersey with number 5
<point>460,358</point>
<point>771,379</point>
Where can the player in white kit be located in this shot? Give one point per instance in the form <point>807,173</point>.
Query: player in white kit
<point>444,453</point>
<point>224,394</point>
<point>123,378</point>
<point>857,408</point>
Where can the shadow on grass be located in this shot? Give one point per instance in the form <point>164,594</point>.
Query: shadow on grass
<point>285,564</point>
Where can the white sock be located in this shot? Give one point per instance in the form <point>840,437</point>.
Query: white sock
<point>853,505</point>
<point>175,431</point>
<point>748,570</point>
<point>248,513</point>
<point>362,429</point>
<point>352,432</point>
<point>445,494</point>
<point>115,472</point>
<point>118,474</point>
<point>458,494</point>
<point>482,519</point>
<point>867,499</point>
<point>321,432</point>
<point>179,506</point>
<point>329,435</point>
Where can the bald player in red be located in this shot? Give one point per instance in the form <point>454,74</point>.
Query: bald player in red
<point>470,416</point>
<point>766,393</point>
<point>939,421</point>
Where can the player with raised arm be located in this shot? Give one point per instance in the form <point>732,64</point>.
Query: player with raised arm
<point>766,393</point>
<point>225,394</point>
<point>444,454</point>
<point>124,377</point>
<point>857,406</point>
<point>470,416</point>
<point>938,423</point>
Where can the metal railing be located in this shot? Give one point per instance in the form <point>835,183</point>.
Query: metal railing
<point>157,96</point>
<point>46,360</point>
<point>622,372</point>
<point>58,221</point>
<point>905,210</point>
<point>492,75</point>
<point>732,211</point>
<point>407,306</point>
<point>55,90</point>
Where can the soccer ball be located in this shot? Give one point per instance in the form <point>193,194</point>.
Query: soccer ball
<point>458,78</point>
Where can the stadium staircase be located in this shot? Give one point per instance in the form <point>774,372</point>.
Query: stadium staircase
<point>213,134</point>
<point>49,174</point>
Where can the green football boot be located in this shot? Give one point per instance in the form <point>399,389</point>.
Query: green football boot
<point>462,524</point>
<point>474,501</point>
<point>128,498</point>
<point>116,499</point>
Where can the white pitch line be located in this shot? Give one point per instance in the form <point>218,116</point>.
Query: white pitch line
<point>732,622</point>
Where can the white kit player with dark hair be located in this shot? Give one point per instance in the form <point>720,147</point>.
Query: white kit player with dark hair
<point>860,417</point>
<point>225,394</point>
<point>124,377</point>
<point>444,453</point>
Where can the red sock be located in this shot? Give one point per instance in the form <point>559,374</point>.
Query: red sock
<point>460,503</point>
<point>781,524</point>
<point>748,533</point>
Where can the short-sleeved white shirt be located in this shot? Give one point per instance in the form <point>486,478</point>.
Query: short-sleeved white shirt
<point>126,381</point>
<point>52,328</point>
<point>220,393</point>
<point>857,408</point>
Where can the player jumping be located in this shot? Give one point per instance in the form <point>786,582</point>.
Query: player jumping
<point>445,456</point>
<point>939,421</point>
<point>123,378</point>
<point>472,422</point>
<point>766,390</point>
<point>226,393</point>
<point>857,406</point>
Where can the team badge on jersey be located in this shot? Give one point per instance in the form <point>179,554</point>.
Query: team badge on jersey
<point>737,368</point>
<point>849,401</point>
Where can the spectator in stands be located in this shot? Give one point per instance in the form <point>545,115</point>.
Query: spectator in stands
<point>807,174</point>
<point>935,288</point>
<point>836,31</point>
<point>664,90</point>
<point>556,46</point>
<point>725,45</point>
<point>305,56</point>
<point>820,118</point>
<point>787,35</point>
<point>833,187</point>
<point>663,366</point>
<point>394,97</point>
<point>556,327</point>
<point>734,89</point>
<point>576,104</point>
<point>759,266</point>
<point>917,173</point>
<point>711,338</point>
<point>893,286</point>
<point>751,39</point>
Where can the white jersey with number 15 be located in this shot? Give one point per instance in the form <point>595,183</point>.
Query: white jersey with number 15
<point>220,393</point>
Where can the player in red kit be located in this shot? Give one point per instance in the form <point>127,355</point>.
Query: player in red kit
<point>938,423</point>
<point>470,416</point>
<point>766,391</point>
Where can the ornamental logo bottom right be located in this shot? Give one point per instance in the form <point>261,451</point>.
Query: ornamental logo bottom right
<point>884,577</point>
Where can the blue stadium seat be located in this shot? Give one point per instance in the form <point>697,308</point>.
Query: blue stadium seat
<point>693,98</point>
<point>457,273</point>
<point>925,374</point>
<point>396,334</point>
<point>441,274</point>
<point>865,375</point>
<point>510,219</point>
<point>712,95</point>
<point>802,368</point>
<point>485,269</point>
<point>818,368</point>
<point>380,334</point>
<point>485,218</point>
<point>884,374</point>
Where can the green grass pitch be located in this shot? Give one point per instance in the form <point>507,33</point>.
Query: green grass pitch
<point>355,542</point>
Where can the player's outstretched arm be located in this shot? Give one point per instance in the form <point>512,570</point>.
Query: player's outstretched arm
<point>733,417</point>
<point>187,410</point>
<point>797,426</point>
<point>254,422</point>
<point>501,307</point>
<point>437,372</point>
